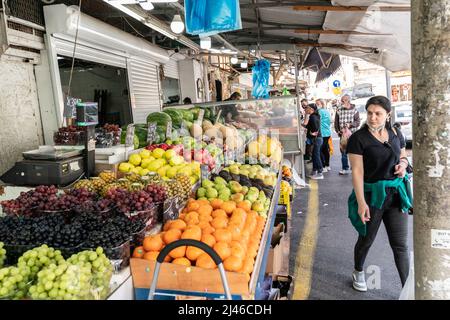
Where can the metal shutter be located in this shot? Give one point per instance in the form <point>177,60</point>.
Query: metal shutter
<point>88,53</point>
<point>144,88</point>
<point>171,69</point>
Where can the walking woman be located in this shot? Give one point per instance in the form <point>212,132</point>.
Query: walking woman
<point>325,130</point>
<point>378,158</point>
<point>315,136</point>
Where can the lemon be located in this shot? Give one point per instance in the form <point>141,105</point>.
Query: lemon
<point>158,153</point>
<point>135,170</point>
<point>145,163</point>
<point>171,172</point>
<point>135,159</point>
<point>145,154</point>
<point>124,167</point>
<point>144,172</point>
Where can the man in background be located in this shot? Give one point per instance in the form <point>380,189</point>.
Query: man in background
<point>346,117</point>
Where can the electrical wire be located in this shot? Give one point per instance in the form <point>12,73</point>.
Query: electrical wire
<point>74,48</point>
<point>126,20</point>
<point>73,54</point>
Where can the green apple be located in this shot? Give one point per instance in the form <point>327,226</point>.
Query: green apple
<point>201,192</point>
<point>202,198</point>
<point>257,206</point>
<point>220,180</point>
<point>237,197</point>
<point>244,190</point>
<point>207,184</point>
<point>211,193</point>
<point>224,197</point>
<point>225,191</point>
<point>252,197</point>
<point>235,187</point>
<point>253,190</point>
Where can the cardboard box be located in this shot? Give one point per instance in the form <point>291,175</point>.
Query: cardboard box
<point>278,258</point>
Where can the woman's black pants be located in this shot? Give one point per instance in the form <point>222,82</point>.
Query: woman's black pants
<point>396,223</point>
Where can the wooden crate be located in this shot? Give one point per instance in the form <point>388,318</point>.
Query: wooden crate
<point>187,279</point>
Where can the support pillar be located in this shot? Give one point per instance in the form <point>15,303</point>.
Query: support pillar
<point>430,21</point>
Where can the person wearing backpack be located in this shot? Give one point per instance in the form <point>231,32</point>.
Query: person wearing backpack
<point>378,158</point>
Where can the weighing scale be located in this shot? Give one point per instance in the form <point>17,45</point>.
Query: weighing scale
<point>59,165</point>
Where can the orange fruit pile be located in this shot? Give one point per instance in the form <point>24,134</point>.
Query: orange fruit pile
<point>232,229</point>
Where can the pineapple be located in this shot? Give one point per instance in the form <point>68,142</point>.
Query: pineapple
<point>133,177</point>
<point>109,187</point>
<point>86,184</point>
<point>185,183</point>
<point>98,184</point>
<point>136,187</point>
<point>124,183</point>
<point>108,176</point>
<point>174,189</point>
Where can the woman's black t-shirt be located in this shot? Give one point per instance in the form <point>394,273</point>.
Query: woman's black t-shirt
<point>379,159</point>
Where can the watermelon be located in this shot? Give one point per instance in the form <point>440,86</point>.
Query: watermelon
<point>187,115</point>
<point>160,134</point>
<point>195,111</point>
<point>135,139</point>
<point>176,116</point>
<point>161,118</point>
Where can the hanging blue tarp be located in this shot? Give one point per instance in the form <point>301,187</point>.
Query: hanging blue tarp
<point>209,17</point>
<point>261,74</point>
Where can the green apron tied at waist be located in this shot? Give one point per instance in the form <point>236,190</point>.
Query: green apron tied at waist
<point>378,196</point>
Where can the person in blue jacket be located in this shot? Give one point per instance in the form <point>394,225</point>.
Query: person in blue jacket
<point>325,129</point>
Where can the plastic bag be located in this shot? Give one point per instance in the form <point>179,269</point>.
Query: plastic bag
<point>261,73</point>
<point>209,17</point>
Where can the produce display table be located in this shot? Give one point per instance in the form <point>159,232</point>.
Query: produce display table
<point>177,280</point>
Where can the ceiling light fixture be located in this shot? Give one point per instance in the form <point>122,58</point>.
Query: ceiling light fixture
<point>234,60</point>
<point>177,25</point>
<point>205,43</point>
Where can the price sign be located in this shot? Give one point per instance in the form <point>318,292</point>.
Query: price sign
<point>169,130</point>
<point>129,138</point>
<point>201,114</point>
<point>151,132</point>
<point>204,172</point>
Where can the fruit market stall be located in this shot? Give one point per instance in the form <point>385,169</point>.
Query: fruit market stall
<point>235,218</point>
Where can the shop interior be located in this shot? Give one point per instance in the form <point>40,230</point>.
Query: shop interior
<point>104,84</point>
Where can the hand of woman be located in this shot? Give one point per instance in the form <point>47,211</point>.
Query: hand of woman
<point>400,169</point>
<point>364,212</point>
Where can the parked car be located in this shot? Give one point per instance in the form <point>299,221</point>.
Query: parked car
<point>402,114</point>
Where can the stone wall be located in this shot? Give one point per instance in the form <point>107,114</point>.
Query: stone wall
<point>20,121</point>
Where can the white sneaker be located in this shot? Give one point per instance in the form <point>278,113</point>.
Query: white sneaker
<point>359,281</point>
<point>344,172</point>
<point>328,168</point>
<point>324,169</point>
<point>317,176</point>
